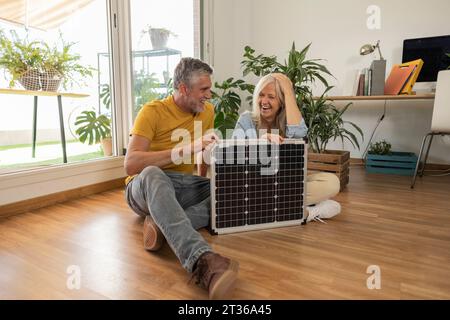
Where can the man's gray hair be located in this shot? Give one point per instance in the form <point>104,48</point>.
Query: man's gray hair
<point>189,68</point>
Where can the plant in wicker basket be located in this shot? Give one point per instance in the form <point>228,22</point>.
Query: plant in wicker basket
<point>62,66</point>
<point>21,59</point>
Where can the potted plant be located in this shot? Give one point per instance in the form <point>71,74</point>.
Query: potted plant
<point>380,159</point>
<point>22,60</point>
<point>158,36</point>
<point>325,123</point>
<point>61,65</point>
<point>93,129</point>
<point>381,147</point>
<point>36,65</point>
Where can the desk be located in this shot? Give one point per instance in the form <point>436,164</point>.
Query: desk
<point>59,96</point>
<point>428,96</point>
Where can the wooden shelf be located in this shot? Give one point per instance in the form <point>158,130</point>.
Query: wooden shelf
<point>43,93</point>
<point>428,96</point>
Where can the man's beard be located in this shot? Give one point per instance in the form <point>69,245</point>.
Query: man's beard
<point>197,107</point>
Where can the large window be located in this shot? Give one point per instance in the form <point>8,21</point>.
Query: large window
<point>162,33</point>
<point>54,39</point>
<point>30,125</point>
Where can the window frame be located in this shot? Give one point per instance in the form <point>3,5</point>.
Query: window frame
<point>35,182</point>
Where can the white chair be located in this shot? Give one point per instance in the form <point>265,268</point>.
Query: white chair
<point>440,123</point>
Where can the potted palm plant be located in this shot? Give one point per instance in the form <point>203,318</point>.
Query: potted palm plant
<point>93,129</point>
<point>21,59</point>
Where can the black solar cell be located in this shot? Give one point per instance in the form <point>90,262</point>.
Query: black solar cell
<point>256,185</point>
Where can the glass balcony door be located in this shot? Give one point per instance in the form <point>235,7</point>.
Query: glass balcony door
<point>161,33</point>
<point>78,29</point>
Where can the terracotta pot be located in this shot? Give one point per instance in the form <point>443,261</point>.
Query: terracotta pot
<point>107,147</point>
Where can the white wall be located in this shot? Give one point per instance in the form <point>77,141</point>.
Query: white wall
<point>337,29</point>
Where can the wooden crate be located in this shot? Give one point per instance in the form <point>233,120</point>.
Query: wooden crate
<point>333,161</point>
<point>402,163</point>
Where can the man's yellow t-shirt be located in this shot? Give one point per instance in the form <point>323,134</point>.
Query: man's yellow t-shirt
<point>167,126</point>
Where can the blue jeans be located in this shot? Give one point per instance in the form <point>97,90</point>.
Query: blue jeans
<point>179,205</point>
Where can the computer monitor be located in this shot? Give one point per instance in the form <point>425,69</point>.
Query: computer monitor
<point>432,51</point>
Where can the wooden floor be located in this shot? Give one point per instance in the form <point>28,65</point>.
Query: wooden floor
<point>383,222</point>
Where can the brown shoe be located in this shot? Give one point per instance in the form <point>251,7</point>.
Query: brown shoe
<point>216,274</point>
<point>153,237</point>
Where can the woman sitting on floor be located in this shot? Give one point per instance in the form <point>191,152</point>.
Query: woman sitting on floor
<point>275,110</point>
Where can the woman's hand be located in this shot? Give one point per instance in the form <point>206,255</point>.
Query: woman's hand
<point>293,115</point>
<point>285,83</point>
<point>275,138</point>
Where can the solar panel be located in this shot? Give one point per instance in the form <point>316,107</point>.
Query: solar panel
<point>257,185</point>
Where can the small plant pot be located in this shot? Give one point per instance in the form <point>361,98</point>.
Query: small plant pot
<point>107,147</point>
<point>50,81</point>
<point>159,38</point>
<point>30,80</point>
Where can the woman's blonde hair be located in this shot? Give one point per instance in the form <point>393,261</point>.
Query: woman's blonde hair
<point>280,119</point>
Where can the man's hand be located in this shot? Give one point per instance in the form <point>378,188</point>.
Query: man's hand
<point>203,142</point>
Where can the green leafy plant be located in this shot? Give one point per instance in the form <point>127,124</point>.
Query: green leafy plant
<point>169,89</point>
<point>61,61</point>
<point>145,89</point>
<point>227,103</point>
<point>19,56</point>
<point>381,147</point>
<point>448,55</point>
<point>301,71</point>
<point>92,128</point>
<point>148,88</point>
<point>105,95</point>
<point>323,119</point>
<point>325,123</point>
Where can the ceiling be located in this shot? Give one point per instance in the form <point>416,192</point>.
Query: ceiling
<point>39,14</point>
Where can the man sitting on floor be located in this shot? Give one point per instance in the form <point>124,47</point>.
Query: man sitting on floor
<point>161,187</point>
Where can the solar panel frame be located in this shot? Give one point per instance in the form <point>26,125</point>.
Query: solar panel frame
<point>241,222</point>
